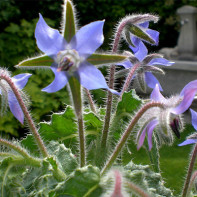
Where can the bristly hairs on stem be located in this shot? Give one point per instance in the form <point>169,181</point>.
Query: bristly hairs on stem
<point>189,171</point>
<point>131,19</point>
<point>126,134</point>
<point>5,76</point>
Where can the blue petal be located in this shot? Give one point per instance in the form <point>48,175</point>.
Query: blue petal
<point>150,128</point>
<point>142,51</point>
<point>144,25</point>
<point>188,141</point>
<point>188,93</point>
<point>21,80</point>
<point>127,64</point>
<point>160,61</point>
<point>141,139</point>
<point>156,95</point>
<point>92,78</point>
<point>49,40</point>
<point>88,39</point>
<point>61,79</point>
<point>15,107</point>
<point>151,81</point>
<point>154,35</point>
<point>194,119</point>
<point>136,41</point>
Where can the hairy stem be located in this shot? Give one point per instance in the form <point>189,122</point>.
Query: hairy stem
<point>28,158</point>
<point>26,114</point>
<point>77,101</point>
<point>127,133</point>
<point>91,102</point>
<point>137,190</point>
<point>189,172</point>
<point>129,78</point>
<point>193,178</point>
<point>111,85</point>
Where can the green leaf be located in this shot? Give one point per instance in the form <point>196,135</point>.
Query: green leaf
<point>69,21</point>
<point>129,103</point>
<point>97,59</point>
<point>40,61</point>
<point>61,127</point>
<point>145,178</point>
<point>66,160</point>
<point>83,182</point>
<point>92,122</point>
<point>137,31</point>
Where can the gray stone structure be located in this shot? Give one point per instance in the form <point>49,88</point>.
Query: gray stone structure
<point>184,54</point>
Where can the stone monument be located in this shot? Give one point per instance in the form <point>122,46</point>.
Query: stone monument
<point>184,54</point>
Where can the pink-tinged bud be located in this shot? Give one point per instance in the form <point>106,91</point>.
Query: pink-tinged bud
<point>118,185</point>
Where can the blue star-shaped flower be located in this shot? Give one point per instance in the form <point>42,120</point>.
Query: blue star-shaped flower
<point>70,58</point>
<point>20,81</point>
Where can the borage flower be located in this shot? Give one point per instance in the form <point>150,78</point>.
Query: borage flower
<point>70,58</point>
<point>192,139</point>
<point>8,95</point>
<point>169,118</point>
<point>146,65</point>
<point>142,33</point>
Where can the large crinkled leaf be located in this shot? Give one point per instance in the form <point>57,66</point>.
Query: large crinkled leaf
<point>83,182</point>
<point>129,103</point>
<point>38,181</point>
<point>145,178</point>
<point>66,160</point>
<point>10,178</point>
<point>98,59</point>
<point>68,21</point>
<point>36,62</point>
<point>63,128</point>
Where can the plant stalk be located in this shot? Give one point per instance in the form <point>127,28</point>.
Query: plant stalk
<point>30,122</point>
<point>127,133</point>
<point>129,78</point>
<point>77,101</point>
<point>189,172</point>
<point>111,85</point>
<point>91,102</point>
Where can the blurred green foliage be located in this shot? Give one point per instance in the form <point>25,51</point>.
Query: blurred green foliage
<point>18,19</point>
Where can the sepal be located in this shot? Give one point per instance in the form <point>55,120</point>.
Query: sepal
<point>138,32</point>
<point>42,61</point>
<point>99,59</point>
<point>68,23</point>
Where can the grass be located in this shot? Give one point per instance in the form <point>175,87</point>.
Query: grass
<point>173,162</point>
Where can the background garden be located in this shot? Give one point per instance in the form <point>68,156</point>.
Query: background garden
<point>17,21</point>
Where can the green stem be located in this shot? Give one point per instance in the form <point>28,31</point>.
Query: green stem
<point>189,172</point>
<point>153,154</point>
<point>127,133</point>
<point>91,102</point>
<point>137,190</point>
<point>31,160</point>
<point>111,85</point>
<point>77,101</point>
<point>129,78</point>
<point>30,122</point>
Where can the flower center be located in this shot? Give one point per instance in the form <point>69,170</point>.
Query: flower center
<point>68,60</point>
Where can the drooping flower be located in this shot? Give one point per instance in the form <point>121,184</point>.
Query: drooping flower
<point>192,139</point>
<point>147,65</point>
<point>169,118</point>
<point>70,58</point>
<point>154,35</point>
<point>20,81</point>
